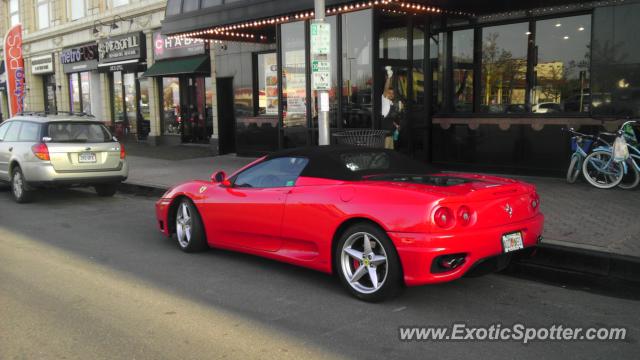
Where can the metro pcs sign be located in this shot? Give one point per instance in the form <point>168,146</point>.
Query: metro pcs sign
<point>15,69</point>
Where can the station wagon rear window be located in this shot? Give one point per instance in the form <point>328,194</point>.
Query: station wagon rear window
<point>76,132</point>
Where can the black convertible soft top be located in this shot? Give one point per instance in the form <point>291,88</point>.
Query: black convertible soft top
<point>341,162</point>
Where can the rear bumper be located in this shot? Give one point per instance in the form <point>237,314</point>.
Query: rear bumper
<point>417,251</point>
<point>43,174</point>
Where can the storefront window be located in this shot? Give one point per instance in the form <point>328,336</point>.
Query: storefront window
<point>171,105</point>
<point>418,65</point>
<point>74,92</point>
<point>85,84</point>
<point>616,61</point>
<point>504,68</point>
<point>393,37</point>
<point>436,55</point>
<point>267,84</point>
<point>144,118</point>
<point>130,100</point>
<point>462,55</point>
<point>357,70</point>
<point>118,98</point>
<point>209,104</point>
<point>562,69</point>
<point>49,85</point>
<point>294,76</point>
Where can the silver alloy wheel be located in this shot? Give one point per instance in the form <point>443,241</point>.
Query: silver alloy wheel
<point>363,254</point>
<point>18,184</point>
<point>183,225</point>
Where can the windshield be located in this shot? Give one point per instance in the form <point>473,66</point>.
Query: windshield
<point>75,132</point>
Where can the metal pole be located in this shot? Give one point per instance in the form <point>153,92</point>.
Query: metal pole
<point>324,136</point>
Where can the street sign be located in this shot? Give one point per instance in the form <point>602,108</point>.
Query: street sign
<point>321,75</point>
<point>320,50</point>
<point>320,38</point>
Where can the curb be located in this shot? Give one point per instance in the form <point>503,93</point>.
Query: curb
<point>598,271</point>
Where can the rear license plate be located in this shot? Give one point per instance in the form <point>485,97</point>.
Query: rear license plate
<point>87,158</point>
<point>512,242</point>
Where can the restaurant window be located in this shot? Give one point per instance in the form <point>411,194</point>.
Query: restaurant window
<point>267,84</point>
<point>562,67</point>
<point>173,7</point>
<point>357,70</point>
<point>74,92</point>
<point>210,3</point>
<point>294,82</point>
<point>462,55</point>
<point>504,68</point>
<point>85,88</point>
<point>144,114</point>
<point>78,9</point>
<point>129,80</point>
<point>393,37</point>
<point>333,91</point>
<point>14,12</point>
<point>43,14</point>
<point>436,57</point>
<point>418,65</point>
<point>208,84</point>
<point>171,105</point>
<point>118,97</point>
<point>616,61</point>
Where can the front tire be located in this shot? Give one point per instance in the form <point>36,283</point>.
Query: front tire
<point>189,229</point>
<point>367,263</point>
<point>19,188</point>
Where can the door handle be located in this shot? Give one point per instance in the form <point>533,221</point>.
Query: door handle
<point>11,149</point>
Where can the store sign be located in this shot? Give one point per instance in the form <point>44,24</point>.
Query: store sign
<point>79,58</point>
<point>42,64</point>
<point>320,52</point>
<point>121,48</point>
<point>14,69</point>
<point>168,48</point>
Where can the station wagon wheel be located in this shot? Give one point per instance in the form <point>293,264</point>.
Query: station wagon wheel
<point>367,263</point>
<point>189,228</point>
<point>19,188</point>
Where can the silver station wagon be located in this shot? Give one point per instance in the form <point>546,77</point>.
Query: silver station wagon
<point>41,151</point>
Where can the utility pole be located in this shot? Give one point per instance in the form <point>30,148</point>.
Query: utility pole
<point>321,69</point>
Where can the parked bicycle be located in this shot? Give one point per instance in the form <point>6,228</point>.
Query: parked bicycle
<point>581,145</point>
<point>601,169</point>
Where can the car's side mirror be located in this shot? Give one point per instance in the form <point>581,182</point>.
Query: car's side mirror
<point>220,177</point>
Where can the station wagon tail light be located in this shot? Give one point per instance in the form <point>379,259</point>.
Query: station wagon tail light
<point>41,151</point>
<point>464,215</point>
<point>123,153</point>
<point>444,218</point>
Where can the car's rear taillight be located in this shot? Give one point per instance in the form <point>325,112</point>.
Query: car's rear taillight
<point>464,215</point>
<point>123,153</point>
<point>535,201</point>
<point>444,218</point>
<point>41,151</point>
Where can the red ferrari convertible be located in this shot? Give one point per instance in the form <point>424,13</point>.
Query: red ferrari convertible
<point>377,219</point>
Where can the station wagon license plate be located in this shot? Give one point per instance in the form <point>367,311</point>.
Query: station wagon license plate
<point>512,242</point>
<point>88,157</point>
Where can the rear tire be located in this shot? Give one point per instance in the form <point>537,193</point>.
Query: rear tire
<point>189,229</point>
<point>574,169</point>
<point>369,272</point>
<point>106,190</point>
<point>20,190</point>
<point>601,171</point>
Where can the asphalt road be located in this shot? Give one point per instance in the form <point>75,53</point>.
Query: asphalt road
<point>87,278</point>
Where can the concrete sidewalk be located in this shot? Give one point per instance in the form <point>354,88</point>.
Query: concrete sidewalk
<point>577,216</point>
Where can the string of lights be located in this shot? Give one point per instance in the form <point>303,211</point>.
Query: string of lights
<point>243,31</point>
